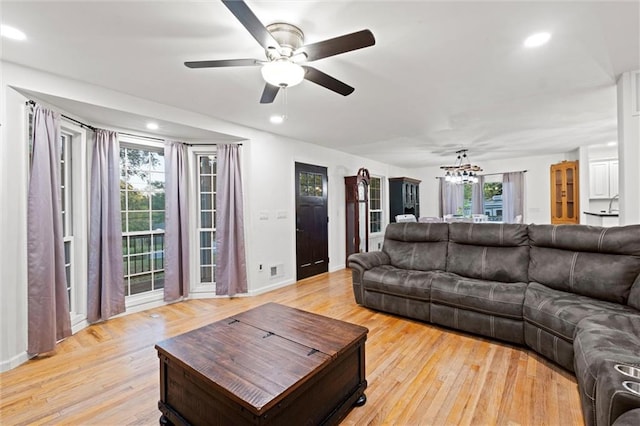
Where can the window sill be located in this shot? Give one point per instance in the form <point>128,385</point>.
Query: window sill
<point>140,302</point>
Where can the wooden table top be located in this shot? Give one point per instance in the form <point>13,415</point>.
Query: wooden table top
<point>261,355</point>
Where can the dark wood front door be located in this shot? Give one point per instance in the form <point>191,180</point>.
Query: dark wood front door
<point>312,239</point>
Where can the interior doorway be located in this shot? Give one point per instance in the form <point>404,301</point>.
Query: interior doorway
<point>312,238</point>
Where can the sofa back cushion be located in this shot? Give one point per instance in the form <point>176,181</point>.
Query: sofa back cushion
<point>417,246</point>
<point>602,263</point>
<point>488,251</point>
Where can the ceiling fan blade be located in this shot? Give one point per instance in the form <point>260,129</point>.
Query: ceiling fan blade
<point>247,18</point>
<point>337,45</point>
<point>325,80</point>
<point>269,93</point>
<point>223,63</point>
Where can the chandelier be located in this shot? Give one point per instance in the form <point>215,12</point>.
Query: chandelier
<point>463,172</point>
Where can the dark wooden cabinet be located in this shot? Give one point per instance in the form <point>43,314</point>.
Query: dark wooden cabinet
<point>356,190</point>
<point>564,193</point>
<point>404,197</point>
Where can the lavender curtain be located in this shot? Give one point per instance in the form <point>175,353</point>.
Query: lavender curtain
<point>231,272</point>
<point>512,196</point>
<point>47,301</point>
<point>451,197</point>
<point>105,296</point>
<point>176,237</point>
<point>477,196</point>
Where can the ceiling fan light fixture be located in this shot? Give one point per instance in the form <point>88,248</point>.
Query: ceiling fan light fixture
<point>282,73</point>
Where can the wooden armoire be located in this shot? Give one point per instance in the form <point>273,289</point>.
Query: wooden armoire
<point>565,193</point>
<point>404,197</point>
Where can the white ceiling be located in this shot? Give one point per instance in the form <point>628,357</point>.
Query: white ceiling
<point>442,75</point>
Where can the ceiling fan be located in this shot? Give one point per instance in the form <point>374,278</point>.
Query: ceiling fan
<point>285,51</point>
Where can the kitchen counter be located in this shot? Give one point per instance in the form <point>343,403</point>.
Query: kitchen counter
<point>602,218</point>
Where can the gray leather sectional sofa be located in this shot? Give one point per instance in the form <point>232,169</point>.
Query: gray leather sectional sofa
<point>569,292</point>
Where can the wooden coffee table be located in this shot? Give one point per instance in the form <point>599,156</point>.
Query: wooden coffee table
<point>269,365</point>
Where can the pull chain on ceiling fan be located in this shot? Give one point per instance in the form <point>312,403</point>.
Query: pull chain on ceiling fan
<point>286,53</point>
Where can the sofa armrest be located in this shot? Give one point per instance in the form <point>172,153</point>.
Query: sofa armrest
<point>361,262</point>
<point>368,260</point>
<point>634,294</point>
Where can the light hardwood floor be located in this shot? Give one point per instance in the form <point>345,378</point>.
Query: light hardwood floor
<point>418,374</point>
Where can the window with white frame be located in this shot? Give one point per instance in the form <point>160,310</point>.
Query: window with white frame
<point>207,217</point>
<point>375,204</point>
<point>66,206</point>
<point>142,203</point>
<point>491,195</point>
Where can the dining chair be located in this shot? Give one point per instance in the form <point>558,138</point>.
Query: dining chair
<point>429,219</point>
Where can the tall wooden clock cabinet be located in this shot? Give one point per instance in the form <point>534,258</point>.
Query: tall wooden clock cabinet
<point>357,212</point>
<point>565,193</point>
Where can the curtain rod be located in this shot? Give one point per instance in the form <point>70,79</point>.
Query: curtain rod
<point>80,123</point>
<point>141,137</point>
<point>493,174</point>
<point>208,144</point>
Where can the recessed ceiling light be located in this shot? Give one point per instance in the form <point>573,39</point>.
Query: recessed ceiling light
<point>12,33</point>
<point>537,39</point>
<point>152,126</point>
<point>612,143</point>
<point>276,119</point>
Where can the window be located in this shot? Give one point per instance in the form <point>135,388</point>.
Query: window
<point>310,184</point>
<point>66,203</point>
<point>375,205</point>
<point>142,201</point>
<point>492,198</point>
<point>207,216</point>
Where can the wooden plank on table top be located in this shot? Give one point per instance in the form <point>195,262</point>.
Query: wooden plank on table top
<point>324,334</point>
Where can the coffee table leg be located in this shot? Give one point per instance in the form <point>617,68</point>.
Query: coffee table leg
<point>360,401</point>
<point>164,421</point>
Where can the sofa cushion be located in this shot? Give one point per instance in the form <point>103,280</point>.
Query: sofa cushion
<point>391,280</point>
<point>558,312</point>
<point>549,345</point>
<point>488,297</point>
<point>615,240</point>
<point>630,418</point>
<point>494,326</point>
<point>417,246</point>
<point>602,263</point>
<point>489,234</point>
<point>398,305</point>
<point>601,341</point>
<point>495,252</point>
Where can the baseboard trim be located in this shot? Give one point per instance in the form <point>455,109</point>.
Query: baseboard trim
<point>271,287</point>
<point>337,267</point>
<point>11,363</point>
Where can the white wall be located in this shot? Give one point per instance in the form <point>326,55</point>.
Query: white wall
<point>629,146</point>
<point>271,186</point>
<point>268,166</point>
<point>13,229</point>
<point>537,187</point>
